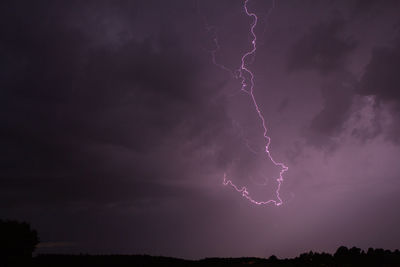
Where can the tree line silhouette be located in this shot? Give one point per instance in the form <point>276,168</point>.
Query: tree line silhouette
<point>18,241</point>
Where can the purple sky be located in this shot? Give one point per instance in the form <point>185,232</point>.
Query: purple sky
<point>117,129</point>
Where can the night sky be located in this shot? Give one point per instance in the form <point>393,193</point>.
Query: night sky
<point>116,127</point>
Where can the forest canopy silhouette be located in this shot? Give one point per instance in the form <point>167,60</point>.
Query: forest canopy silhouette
<point>19,240</point>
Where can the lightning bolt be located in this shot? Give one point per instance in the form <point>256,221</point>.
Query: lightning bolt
<point>248,88</point>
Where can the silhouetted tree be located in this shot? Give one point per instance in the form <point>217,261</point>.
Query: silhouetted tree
<point>341,252</point>
<point>273,258</point>
<point>17,241</point>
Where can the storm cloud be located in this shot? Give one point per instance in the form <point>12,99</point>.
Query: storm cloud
<point>117,128</point>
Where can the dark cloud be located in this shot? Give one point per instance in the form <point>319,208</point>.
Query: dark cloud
<point>381,77</point>
<point>337,94</point>
<point>76,115</point>
<point>381,81</point>
<point>325,50</point>
<point>322,49</point>
<point>372,8</point>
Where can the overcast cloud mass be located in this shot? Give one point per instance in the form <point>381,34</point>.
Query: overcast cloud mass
<point>117,128</point>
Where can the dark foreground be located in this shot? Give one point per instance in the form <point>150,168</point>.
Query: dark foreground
<point>342,257</point>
